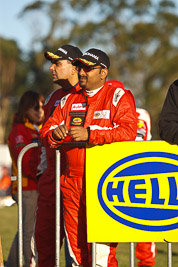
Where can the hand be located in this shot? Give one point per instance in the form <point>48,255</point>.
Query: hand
<point>78,133</point>
<point>60,132</point>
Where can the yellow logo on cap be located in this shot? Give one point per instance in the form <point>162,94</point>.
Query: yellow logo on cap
<point>87,62</point>
<point>53,55</point>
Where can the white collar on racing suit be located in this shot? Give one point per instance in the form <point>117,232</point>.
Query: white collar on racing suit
<point>93,92</point>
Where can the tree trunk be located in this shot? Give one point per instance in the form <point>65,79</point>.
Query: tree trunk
<point>4,110</point>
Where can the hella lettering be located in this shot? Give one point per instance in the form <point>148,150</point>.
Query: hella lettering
<point>141,191</point>
<point>134,192</point>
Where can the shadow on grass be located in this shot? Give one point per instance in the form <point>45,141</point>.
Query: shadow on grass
<point>163,252</point>
<point>174,254</point>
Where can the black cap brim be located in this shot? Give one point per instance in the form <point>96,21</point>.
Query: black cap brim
<point>76,61</point>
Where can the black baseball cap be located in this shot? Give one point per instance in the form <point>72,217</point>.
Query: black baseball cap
<point>93,57</point>
<point>68,52</point>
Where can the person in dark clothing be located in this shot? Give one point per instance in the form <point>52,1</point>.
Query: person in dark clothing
<point>168,121</point>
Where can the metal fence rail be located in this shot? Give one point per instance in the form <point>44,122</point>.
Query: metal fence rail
<point>19,182</point>
<point>57,208</point>
<point>20,227</point>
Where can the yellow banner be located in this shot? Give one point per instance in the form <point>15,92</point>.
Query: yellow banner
<point>131,192</point>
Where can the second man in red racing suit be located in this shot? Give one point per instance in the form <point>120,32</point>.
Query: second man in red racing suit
<point>66,76</point>
<point>45,215</point>
<point>102,114</point>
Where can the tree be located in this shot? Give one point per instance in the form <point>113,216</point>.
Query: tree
<point>9,57</point>
<point>139,36</point>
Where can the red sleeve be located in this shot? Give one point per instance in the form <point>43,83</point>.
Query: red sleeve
<point>124,119</point>
<point>19,137</point>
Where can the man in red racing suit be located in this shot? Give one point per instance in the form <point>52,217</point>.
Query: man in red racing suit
<point>99,114</point>
<point>67,77</point>
<point>145,251</point>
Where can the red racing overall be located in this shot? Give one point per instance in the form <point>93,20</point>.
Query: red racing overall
<point>45,216</point>
<point>110,116</point>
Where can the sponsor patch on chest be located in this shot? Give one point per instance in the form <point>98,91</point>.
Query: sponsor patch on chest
<point>77,121</point>
<point>19,139</point>
<point>78,106</point>
<point>101,114</point>
<point>119,92</point>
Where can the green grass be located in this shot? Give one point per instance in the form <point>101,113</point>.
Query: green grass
<point>8,228</point>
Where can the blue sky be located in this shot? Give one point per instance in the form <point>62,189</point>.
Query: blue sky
<point>12,27</point>
<point>21,29</point>
<point>18,29</point>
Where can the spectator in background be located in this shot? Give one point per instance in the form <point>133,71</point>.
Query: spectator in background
<point>143,125</point>
<point>25,128</point>
<point>5,182</point>
<point>168,122</point>
<point>145,251</point>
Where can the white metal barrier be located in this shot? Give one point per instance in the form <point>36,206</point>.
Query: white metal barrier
<point>19,180</point>
<point>20,227</point>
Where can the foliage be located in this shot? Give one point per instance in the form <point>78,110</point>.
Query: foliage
<point>140,36</point>
<point>9,57</point>
<point>18,74</point>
